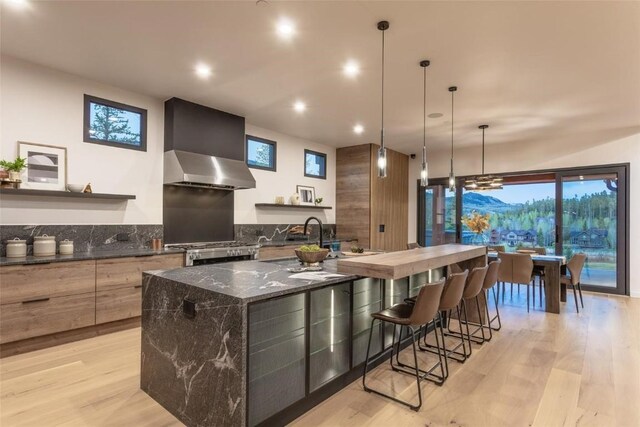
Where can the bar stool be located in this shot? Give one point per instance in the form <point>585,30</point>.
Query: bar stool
<point>490,280</point>
<point>450,299</point>
<point>575,265</point>
<point>472,290</point>
<point>412,317</point>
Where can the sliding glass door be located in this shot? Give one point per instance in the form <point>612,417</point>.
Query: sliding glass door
<point>563,212</point>
<point>593,222</point>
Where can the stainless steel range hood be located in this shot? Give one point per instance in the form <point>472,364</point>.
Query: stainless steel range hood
<point>199,170</point>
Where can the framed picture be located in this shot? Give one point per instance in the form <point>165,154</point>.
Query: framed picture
<point>307,195</point>
<point>315,164</point>
<point>114,124</point>
<point>46,166</point>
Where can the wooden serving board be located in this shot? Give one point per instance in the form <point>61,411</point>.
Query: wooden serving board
<point>362,254</point>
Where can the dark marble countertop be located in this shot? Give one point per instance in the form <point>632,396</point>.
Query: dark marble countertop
<point>251,281</point>
<point>82,256</point>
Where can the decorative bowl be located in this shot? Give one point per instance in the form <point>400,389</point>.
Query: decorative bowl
<point>312,257</point>
<point>75,188</point>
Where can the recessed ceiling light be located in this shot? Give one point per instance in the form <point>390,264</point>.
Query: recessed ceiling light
<point>358,129</point>
<point>299,106</point>
<point>203,71</point>
<point>351,69</point>
<point>435,115</point>
<point>285,28</point>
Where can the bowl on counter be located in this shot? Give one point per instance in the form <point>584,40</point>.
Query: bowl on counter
<point>75,188</point>
<point>311,258</point>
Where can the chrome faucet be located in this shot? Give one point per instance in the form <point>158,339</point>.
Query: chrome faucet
<point>306,224</point>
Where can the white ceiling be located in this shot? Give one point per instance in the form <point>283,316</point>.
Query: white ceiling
<point>529,69</point>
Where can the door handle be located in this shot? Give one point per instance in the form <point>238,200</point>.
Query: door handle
<point>35,300</point>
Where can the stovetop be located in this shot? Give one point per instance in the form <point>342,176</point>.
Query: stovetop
<point>210,245</point>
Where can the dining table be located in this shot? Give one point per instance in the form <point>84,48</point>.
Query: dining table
<point>554,266</point>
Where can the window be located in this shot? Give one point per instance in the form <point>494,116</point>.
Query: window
<point>114,124</point>
<point>315,164</point>
<point>261,153</point>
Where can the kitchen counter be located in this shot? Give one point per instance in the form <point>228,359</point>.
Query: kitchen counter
<point>281,243</point>
<point>250,281</point>
<point>81,256</point>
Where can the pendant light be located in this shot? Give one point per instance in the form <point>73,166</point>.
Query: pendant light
<point>452,177</point>
<point>382,152</point>
<point>424,173</point>
<point>483,182</point>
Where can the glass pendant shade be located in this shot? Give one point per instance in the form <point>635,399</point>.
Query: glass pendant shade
<point>382,162</point>
<point>424,175</point>
<point>452,182</point>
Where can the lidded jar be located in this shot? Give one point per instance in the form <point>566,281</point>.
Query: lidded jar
<point>44,245</point>
<point>16,248</point>
<point>66,247</point>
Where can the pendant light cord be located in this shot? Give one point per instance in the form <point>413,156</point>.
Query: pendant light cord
<point>452,131</point>
<point>382,115</point>
<point>424,119</point>
<point>482,151</point>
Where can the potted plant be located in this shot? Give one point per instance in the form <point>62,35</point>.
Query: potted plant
<point>318,201</point>
<point>14,168</point>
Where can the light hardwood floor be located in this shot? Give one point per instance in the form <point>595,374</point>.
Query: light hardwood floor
<point>540,369</point>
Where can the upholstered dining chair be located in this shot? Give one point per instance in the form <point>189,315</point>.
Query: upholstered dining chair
<point>575,265</point>
<point>539,272</point>
<point>515,268</point>
<point>497,248</point>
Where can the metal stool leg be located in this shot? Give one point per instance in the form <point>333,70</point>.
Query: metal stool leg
<point>497,313</point>
<point>580,292</point>
<point>575,297</point>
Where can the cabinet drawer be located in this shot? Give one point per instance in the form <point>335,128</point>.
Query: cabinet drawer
<point>127,272</point>
<point>27,282</point>
<point>117,304</point>
<point>46,316</point>
<point>273,252</point>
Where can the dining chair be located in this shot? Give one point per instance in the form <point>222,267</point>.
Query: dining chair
<point>538,271</point>
<point>516,268</point>
<point>412,317</point>
<point>497,248</point>
<point>575,265</point>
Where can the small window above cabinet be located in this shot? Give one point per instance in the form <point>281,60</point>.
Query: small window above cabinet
<point>114,124</point>
<point>315,164</point>
<point>260,153</point>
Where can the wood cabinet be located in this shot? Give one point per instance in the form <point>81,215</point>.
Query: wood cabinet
<point>372,209</point>
<point>119,284</point>
<point>43,299</point>
<point>274,252</point>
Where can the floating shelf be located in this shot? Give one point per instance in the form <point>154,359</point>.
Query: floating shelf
<point>275,205</point>
<point>67,194</point>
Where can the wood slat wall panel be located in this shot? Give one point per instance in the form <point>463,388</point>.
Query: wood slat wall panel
<point>389,202</point>
<point>353,192</point>
<point>27,282</point>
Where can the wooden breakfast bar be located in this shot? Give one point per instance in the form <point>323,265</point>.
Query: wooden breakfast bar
<point>396,265</point>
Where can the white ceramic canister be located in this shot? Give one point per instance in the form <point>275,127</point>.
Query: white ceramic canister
<point>44,245</point>
<point>16,248</point>
<point>66,247</point>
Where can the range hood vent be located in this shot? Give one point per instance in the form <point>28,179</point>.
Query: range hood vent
<point>199,170</point>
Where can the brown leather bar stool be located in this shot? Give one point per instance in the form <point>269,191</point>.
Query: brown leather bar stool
<point>490,280</point>
<point>575,265</point>
<point>412,317</point>
<point>450,300</point>
<point>472,291</point>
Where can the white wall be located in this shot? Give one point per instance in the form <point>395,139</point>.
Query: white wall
<point>290,172</point>
<point>45,106</point>
<point>614,146</point>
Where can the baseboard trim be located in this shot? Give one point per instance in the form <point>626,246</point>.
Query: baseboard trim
<point>635,294</point>
<point>38,343</point>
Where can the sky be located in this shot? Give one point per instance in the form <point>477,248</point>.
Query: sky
<point>527,192</point>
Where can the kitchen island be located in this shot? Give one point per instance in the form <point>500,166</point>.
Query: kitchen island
<point>249,342</point>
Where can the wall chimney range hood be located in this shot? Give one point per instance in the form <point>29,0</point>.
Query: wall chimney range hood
<point>188,169</point>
